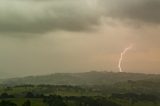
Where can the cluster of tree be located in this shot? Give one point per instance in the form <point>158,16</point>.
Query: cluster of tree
<point>26,95</point>
<point>92,101</point>
<point>9,103</point>
<point>54,100</point>
<point>6,95</point>
<point>133,97</point>
<point>27,103</point>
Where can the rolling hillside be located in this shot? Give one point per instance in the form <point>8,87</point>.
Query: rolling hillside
<point>87,78</point>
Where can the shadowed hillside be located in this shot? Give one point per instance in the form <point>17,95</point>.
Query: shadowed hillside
<point>88,78</point>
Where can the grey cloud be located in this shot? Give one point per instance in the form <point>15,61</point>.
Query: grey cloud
<point>37,16</point>
<point>140,10</point>
<point>31,16</point>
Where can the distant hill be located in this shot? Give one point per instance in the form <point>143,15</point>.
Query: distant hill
<point>87,78</point>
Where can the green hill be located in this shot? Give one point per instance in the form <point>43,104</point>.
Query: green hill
<point>87,78</point>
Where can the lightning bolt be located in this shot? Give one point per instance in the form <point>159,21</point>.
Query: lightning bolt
<point>121,57</point>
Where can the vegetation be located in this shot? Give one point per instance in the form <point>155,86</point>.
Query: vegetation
<point>79,79</point>
<point>140,92</point>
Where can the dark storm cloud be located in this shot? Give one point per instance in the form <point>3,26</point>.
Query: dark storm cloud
<point>147,11</point>
<point>42,16</point>
<point>36,16</point>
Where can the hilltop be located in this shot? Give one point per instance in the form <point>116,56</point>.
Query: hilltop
<point>86,78</point>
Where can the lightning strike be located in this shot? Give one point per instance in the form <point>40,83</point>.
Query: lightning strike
<point>121,57</point>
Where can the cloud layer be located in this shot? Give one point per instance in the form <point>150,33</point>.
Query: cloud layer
<point>36,16</point>
<point>139,10</point>
<point>42,16</point>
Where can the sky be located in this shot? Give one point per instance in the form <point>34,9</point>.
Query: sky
<point>47,36</point>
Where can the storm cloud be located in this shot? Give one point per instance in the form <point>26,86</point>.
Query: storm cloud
<point>137,10</point>
<point>37,16</point>
<point>41,16</point>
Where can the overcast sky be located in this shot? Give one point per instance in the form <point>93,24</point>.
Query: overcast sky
<point>48,36</point>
